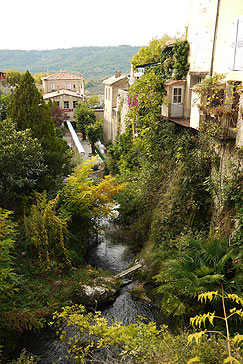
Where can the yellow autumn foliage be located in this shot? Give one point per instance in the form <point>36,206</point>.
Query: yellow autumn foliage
<point>83,196</point>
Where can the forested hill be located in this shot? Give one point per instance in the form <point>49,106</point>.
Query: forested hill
<point>91,62</point>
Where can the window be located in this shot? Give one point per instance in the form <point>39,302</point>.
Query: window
<point>74,86</point>
<point>177,95</point>
<point>68,86</point>
<point>66,104</point>
<point>53,87</point>
<point>58,103</point>
<point>108,93</point>
<point>236,62</point>
<point>75,104</point>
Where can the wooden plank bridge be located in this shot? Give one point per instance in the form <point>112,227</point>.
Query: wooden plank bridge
<point>127,271</point>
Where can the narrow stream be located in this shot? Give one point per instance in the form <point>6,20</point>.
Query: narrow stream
<point>113,257</point>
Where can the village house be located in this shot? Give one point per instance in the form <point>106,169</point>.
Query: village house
<point>65,89</point>
<point>112,85</point>
<point>215,36</point>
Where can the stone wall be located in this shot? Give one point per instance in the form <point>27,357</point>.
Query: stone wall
<point>122,110</point>
<point>99,113</point>
<point>239,132</point>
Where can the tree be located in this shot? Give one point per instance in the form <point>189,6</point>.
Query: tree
<point>57,115</point>
<point>28,110</point>
<point>4,101</point>
<point>94,133</point>
<point>84,202</point>
<point>84,116</point>
<point>82,196</point>
<point>38,76</point>
<point>151,53</point>
<point>93,100</point>
<point>47,231</point>
<point>13,76</point>
<point>21,162</point>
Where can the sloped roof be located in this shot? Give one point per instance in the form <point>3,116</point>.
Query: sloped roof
<point>112,80</point>
<point>174,82</point>
<point>63,75</point>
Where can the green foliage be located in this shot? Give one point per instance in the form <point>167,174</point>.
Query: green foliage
<point>219,106</point>
<point>13,76</point>
<point>83,200</point>
<point>94,86</point>
<point>145,101</point>
<point>7,276</point>
<point>4,101</point>
<point>200,320</point>
<point>21,163</point>
<point>25,358</point>
<point>181,65</point>
<point>94,133</point>
<point>200,266</point>
<point>28,110</point>
<point>139,343</point>
<point>47,232</point>
<point>93,100</point>
<point>84,117</point>
<point>174,60</point>
<point>150,53</point>
<point>83,197</point>
<point>38,76</point>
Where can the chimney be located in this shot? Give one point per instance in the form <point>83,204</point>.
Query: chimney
<point>117,74</point>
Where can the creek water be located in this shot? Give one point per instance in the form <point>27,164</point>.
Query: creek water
<point>113,257</point>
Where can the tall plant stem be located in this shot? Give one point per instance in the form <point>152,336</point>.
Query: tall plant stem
<point>226,325</point>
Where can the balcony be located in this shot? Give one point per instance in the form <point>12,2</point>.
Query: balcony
<point>177,113</point>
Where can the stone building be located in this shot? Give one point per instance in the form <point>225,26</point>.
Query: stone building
<point>64,88</point>
<point>112,85</point>
<point>215,36</point>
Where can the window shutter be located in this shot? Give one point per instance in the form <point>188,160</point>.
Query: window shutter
<point>233,44</point>
<point>239,47</point>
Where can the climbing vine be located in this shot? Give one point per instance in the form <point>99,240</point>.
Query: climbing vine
<point>174,64</point>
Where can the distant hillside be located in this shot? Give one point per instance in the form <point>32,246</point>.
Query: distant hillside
<point>92,62</point>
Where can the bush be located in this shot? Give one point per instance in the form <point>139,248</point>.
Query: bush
<point>141,343</point>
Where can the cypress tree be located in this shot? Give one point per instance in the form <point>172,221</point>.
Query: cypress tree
<point>28,110</point>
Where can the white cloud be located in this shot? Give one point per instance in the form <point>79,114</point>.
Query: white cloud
<point>48,24</point>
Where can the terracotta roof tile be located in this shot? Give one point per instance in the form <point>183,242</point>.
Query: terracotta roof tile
<point>113,79</point>
<point>63,75</point>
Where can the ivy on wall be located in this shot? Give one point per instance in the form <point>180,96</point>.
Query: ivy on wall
<point>174,60</point>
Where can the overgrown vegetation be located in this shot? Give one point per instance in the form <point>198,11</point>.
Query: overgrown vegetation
<point>43,241</point>
<point>169,205</point>
<point>141,342</point>
<point>182,210</point>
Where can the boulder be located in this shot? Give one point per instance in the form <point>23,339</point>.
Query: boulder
<point>96,294</point>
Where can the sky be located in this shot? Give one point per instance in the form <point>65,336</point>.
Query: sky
<point>51,24</point>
